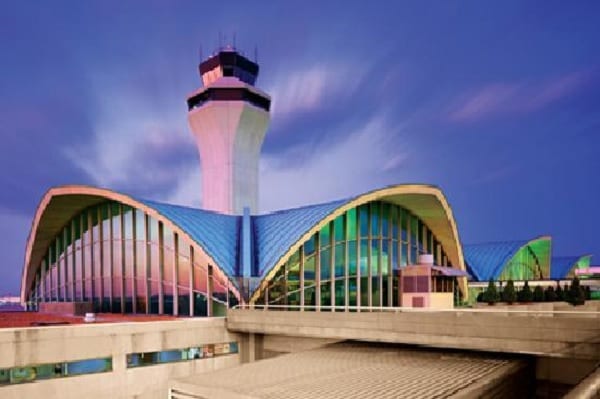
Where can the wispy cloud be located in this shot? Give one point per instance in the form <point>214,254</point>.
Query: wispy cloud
<point>498,99</point>
<point>366,158</point>
<point>299,90</point>
<point>14,230</point>
<point>131,142</point>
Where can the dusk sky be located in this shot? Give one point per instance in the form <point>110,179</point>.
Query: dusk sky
<point>498,103</point>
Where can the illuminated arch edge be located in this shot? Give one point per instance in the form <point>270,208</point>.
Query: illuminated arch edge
<point>38,239</point>
<point>410,197</point>
<point>526,244</point>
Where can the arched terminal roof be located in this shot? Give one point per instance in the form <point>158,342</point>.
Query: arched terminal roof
<point>486,261</point>
<point>214,233</point>
<point>562,266</point>
<point>280,234</point>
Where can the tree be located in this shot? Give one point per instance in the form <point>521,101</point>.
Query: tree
<point>491,296</point>
<point>538,294</point>
<point>560,294</point>
<point>525,295</point>
<point>509,295</point>
<point>550,294</point>
<point>576,293</point>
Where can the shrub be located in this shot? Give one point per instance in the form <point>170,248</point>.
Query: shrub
<point>480,297</point>
<point>509,295</point>
<point>525,295</point>
<point>588,293</point>
<point>576,294</point>
<point>538,294</point>
<point>490,295</point>
<point>550,294</point>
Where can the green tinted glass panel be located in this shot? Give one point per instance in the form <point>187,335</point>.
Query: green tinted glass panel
<point>309,246</point>
<point>324,236</point>
<point>352,258</point>
<point>363,215</point>
<point>325,264</point>
<point>339,260</point>
<point>351,223</point>
<point>385,222</point>
<point>364,254</point>
<point>375,222</point>
<point>338,227</point>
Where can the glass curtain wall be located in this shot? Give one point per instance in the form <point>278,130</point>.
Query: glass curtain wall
<point>125,261</point>
<point>354,260</point>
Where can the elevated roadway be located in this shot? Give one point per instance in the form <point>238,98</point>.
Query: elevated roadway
<point>558,334</point>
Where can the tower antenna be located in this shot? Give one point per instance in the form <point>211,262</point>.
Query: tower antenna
<point>255,54</point>
<point>220,41</point>
<point>200,53</point>
<point>234,40</point>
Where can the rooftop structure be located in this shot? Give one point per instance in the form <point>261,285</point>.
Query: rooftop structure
<point>136,256</point>
<point>360,371</point>
<point>566,266</point>
<point>510,260</point>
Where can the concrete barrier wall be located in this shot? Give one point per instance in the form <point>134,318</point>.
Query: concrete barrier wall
<point>539,334</point>
<point>34,346</point>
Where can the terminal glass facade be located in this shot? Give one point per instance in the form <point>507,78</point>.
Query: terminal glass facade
<point>354,260</point>
<point>126,261</point>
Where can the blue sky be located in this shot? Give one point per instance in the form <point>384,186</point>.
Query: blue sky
<point>498,103</point>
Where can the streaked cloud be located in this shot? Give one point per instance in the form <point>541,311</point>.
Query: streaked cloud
<point>364,159</point>
<point>14,230</point>
<point>368,157</point>
<point>131,142</point>
<point>311,88</point>
<point>498,99</point>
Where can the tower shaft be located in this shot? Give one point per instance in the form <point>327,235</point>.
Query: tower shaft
<point>229,118</point>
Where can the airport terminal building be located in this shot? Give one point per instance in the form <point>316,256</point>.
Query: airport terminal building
<point>129,255</point>
<point>124,254</point>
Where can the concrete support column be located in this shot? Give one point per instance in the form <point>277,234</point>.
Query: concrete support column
<point>175,274</point>
<point>346,265</point>
<point>83,243</point>
<point>111,257</point>
<point>318,271</point>
<point>332,264</point>
<point>148,288</point>
<point>92,257</point>
<point>135,261</point>
<point>161,264</point>
<point>191,282</point>
<point>209,291</point>
<point>123,265</point>
<point>301,267</point>
<point>100,269</point>
<point>369,256</point>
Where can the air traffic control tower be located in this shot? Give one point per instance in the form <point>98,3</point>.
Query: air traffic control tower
<point>229,118</point>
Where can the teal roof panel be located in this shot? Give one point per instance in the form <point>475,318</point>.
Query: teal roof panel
<point>486,261</point>
<point>276,232</point>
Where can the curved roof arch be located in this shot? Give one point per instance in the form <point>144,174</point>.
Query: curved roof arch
<point>282,233</point>
<point>563,265</point>
<point>486,261</point>
<point>60,204</point>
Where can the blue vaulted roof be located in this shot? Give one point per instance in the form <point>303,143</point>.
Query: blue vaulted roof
<point>486,261</point>
<point>215,232</point>
<point>276,232</point>
<point>562,265</point>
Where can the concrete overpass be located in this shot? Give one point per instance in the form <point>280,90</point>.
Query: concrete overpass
<point>555,334</point>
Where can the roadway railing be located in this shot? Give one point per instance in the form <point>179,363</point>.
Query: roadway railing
<point>390,309</point>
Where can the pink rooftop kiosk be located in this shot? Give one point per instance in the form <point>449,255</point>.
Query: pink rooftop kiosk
<point>426,285</point>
